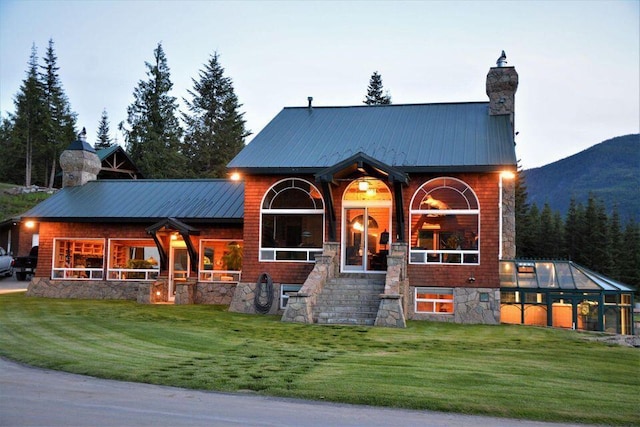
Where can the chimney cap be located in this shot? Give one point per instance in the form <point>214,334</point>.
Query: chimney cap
<point>81,143</point>
<point>502,61</point>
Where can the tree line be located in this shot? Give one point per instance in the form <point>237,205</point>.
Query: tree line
<point>590,235</point>
<point>161,141</point>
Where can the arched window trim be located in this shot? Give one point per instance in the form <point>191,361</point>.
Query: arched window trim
<point>276,254</point>
<point>275,193</point>
<point>425,256</point>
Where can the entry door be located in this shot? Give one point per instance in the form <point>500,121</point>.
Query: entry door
<point>365,238</point>
<point>179,267</point>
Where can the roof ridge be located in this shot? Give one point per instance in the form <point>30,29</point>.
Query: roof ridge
<point>389,105</point>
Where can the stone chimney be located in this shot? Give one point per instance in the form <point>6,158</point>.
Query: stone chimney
<point>502,83</point>
<point>79,162</point>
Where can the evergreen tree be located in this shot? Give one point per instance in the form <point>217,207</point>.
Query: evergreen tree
<point>11,167</point>
<point>375,92</point>
<point>574,229</point>
<point>27,136</point>
<point>60,121</point>
<point>521,207</point>
<point>104,139</point>
<point>630,255</point>
<point>616,244</point>
<point>154,137</point>
<point>546,242</point>
<point>215,128</point>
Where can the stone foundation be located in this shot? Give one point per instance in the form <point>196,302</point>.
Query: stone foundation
<point>243,299</point>
<point>82,289</point>
<point>214,293</point>
<point>467,309</point>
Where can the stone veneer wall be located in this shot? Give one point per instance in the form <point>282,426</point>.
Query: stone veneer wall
<point>508,219</point>
<point>220,293</point>
<point>467,307</point>
<point>242,300</point>
<point>83,289</point>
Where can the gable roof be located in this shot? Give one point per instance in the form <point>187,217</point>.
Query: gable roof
<point>141,200</point>
<point>116,164</point>
<point>413,138</point>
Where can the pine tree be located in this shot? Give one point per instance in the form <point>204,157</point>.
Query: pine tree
<point>11,167</point>
<point>375,92</point>
<point>154,137</point>
<point>215,129</point>
<point>521,207</point>
<point>104,139</point>
<point>60,122</point>
<point>27,134</point>
<point>630,257</point>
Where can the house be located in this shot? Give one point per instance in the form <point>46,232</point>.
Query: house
<point>361,215</point>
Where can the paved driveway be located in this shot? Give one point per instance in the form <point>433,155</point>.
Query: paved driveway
<point>38,397</point>
<point>10,284</point>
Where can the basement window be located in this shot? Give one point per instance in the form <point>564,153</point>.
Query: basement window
<point>434,300</point>
<point>285,292</point>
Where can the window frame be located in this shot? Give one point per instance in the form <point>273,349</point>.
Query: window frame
<point>434,301</point>
<point>267,254</point>
<point>444,256</point>
<point>74,273</point>
<point>120,274</point>
<point>213,275</point>
<point>285,291</point>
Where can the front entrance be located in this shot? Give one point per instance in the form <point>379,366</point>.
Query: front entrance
<point>179,266</point>
<point>366,221</point>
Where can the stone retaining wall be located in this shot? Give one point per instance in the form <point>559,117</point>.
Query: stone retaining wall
<point>82,289</point>
<point>468,307</point>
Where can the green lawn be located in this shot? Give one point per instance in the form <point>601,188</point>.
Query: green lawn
<point>509,371</point>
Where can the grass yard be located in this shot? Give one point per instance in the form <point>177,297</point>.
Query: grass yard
<point>509,371</point>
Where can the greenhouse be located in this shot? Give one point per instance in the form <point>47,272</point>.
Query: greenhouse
<point>563,294</point>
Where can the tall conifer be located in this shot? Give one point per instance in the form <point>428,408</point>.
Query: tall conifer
<point>215,128</point>
<point>104,139</point>
<point>376,95</point>
<point>154,135</point>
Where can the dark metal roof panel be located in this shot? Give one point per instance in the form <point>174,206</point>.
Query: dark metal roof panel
<point>409,136</point>
<point>145,199</point>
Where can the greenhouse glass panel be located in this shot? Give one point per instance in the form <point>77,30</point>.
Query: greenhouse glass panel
<point>582,281</point>
<point>535,315</point>
<point>565,278</point>
<point>507,274</point>
<point>546,275</point>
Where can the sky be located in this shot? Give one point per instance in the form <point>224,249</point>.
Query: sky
<point>578,61</point>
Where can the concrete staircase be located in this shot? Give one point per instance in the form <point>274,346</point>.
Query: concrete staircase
<point>350,299</point>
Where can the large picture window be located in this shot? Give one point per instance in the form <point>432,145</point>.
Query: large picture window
<point>78,259</point>
<point>445,223</point>
<point>292,222</point>
<point>133,259</point>
<point>220,260</point>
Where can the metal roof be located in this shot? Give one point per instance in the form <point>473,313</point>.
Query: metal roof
<point>554,275</point>
<point>419,137</point>
<point>207,200</point>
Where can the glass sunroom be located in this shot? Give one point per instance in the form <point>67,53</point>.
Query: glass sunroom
<point>563,294</point>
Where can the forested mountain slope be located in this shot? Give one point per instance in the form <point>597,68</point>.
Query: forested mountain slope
<point>609,170</point>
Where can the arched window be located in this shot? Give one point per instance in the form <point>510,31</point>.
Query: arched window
<point>292,222</point>
<point>445,223</point>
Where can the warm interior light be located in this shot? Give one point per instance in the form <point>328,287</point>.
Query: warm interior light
<point>158,293</point>
<point>363,185</point>
<point>358,226</point>
<point>371,192</point>
<point>30,224</point>
<point>174,236</point>
<point>507,175</point>
<point>235,176</point>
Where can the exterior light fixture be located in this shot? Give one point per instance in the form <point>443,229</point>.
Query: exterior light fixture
<point>174,236</point>
<point>30,224</point>
<point>363,185</point>
<point>235,176</point>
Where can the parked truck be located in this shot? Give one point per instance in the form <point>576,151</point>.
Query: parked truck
<point>26,265</point>
<point>6,263</point>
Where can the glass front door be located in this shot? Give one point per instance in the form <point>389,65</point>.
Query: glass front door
<point>178,267</point>
<point>366,238</point>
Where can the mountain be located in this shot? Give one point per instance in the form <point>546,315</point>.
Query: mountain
<point>609,170</point>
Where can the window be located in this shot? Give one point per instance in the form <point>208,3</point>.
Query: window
<point>445,223</point>
<point>133,259</point>
<point>292,222</point>
<point>434,300</point>
<point>78,259</point>
<point>285,291</point>
<point>220,260</point>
